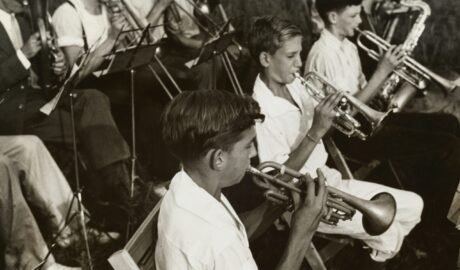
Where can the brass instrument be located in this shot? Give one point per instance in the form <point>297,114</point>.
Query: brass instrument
<point>41,23</point>
<point>412,71</point>
<point>392,96</point>
<point>318,87</point>
<point>205,23</point>
<point>136,24</point>
<point>378,212</point>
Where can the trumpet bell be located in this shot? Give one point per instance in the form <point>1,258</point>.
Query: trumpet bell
<point>380,213</point>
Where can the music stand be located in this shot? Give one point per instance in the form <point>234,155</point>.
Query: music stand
<point>67,88</point>
<point>129,59</point>
<point>214,46</point>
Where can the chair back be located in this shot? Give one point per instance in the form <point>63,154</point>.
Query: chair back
<point>139,252</point>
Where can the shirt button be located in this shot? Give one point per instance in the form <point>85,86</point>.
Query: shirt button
<point>22,87</point>
<point>21,106</point>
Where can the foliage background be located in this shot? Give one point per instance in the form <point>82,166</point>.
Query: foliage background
<point>438,47</point>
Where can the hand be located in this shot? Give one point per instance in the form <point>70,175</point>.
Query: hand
<point>59,65</point>
<point>392,59</point>
<point>32,46</point>
<point>309,212</point>
<point>118,21</point>
<point>324,115</point>
<point>234,51</point>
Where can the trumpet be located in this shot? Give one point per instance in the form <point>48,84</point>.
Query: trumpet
<point>413,72</point>
<point>318,87</point>
<point>41,23</point>
<point>378,212</point>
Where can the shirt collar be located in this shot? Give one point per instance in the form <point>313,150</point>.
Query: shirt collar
<point>191,197</point>
<point>332,40</point>
<point>277,106</point>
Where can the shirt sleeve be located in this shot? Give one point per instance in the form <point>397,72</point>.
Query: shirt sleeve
<point>68,26</point>
<point>319,63</point>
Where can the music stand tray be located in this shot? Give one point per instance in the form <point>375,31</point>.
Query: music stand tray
<point>214,46</point>
<point>128,59</point>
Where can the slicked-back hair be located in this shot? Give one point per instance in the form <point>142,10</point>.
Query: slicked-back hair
<point>326,6</point>
<point>198,121</point>
<point>268,33</point>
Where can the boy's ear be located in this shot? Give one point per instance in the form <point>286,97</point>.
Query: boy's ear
<point>217,159</point>
<point>264,59</point>
<point>332,17</point>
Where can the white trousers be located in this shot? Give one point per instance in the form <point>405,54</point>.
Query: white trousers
<point>43,183</point>
<point>409,209</point>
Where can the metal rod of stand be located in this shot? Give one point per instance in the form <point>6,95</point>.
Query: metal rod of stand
<point>133,150</point>
<point>232,74</point>
<point>77,181</point>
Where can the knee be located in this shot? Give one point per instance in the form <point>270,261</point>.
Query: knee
<point>92,96</point>
<point>415,204</point>
<point>29,144</point>
<point>4,162</point>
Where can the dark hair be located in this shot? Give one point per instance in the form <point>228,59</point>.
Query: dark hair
<point>268,33</point>
<point>326,6</point>
<point>197,121</point>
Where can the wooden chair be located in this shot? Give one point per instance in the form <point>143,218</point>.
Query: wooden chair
<point>317,258</point>
<point>139,252</point>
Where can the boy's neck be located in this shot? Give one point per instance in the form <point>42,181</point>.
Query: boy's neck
<point>204,179</point>
<point>274,86</point>
<point>336,33</point>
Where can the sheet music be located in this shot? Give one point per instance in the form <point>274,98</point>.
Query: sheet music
<point>51,105</point>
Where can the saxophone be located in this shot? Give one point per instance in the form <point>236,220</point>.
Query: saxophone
<point>391,97</point>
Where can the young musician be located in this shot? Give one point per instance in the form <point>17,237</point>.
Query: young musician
<point>427,144</point>
<point>212,133</point>
<point>29,176</point>
<point>21,99</point>
<point>295,125</point>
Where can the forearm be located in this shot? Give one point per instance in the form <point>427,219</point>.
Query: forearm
<point>374,85</point>
<point>155,13</point>
<point>97,57</point>
<point>259,219</point>
<point>295,251</point>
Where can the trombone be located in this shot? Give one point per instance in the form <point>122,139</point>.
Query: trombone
<point>378,212</point>
<point>136,23</point>
<point>413,72</point>
<point>318,87</point>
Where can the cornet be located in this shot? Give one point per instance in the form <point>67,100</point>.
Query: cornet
<point>318,87</point>
<point>378,213</point>
<point>413,72</point>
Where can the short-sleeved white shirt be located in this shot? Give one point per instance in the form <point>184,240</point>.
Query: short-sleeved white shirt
<point>338,61</point>
<point>286,125</point>
<point>187,26</point>
<point>68,22</point>
<point>196,231</point>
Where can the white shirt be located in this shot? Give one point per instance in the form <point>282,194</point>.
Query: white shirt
<point>286,125</point>
<point>68,22</point>
<point>142,8</point>
<point>187,26</point>
<point>338,61</point>
<point>11,26</point>
<point>196,231</point>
